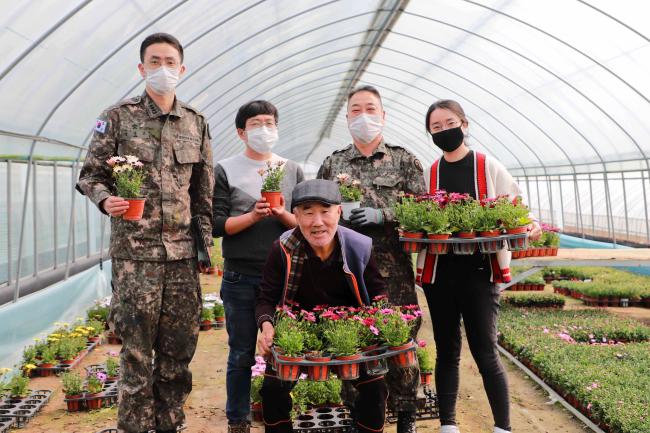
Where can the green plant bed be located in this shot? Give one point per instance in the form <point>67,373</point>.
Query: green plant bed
<point>534,300</point>
<point>608,382</point>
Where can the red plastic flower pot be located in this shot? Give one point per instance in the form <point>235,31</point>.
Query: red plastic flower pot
<point>273,198</point>
<point>94,401</point>
<point>318,373</point>
<point>73,402</point>
<point>404,359</point>
<point>135,210</point>
<point>288,372</point>
<point>206,325</point>
<point>411,247</point>
<point>438,248</point>
<point>221,321</point>
<point>256,412</point>
<point>45,370</point>
<point>425,378</point>
<point>348,371</point>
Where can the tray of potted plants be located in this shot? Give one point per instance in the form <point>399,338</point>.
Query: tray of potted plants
<point>343,339</point>
<point>436,221</point>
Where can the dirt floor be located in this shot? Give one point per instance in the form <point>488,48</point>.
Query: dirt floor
<point>532,411</point>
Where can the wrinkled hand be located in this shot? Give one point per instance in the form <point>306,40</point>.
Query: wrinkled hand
<point>535,231</point>
<point>278,211</point>
<point>262,210</point>
<point>365,216</point>
<point>115,206</point>
<point>265,340</point>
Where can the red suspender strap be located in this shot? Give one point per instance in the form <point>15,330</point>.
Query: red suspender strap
<point>481,178</point>
<point>433,179</point>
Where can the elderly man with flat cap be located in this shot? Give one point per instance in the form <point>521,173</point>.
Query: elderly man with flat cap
<point>310,265</point>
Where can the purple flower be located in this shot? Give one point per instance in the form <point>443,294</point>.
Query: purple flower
<point>101,376</point>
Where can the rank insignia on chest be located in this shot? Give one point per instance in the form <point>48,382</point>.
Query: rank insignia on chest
<point>100,126</point>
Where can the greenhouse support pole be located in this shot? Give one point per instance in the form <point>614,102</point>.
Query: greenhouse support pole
<point>608,204</point>
<point>21,238</point>
<point>645,207</point>
<point>35,217</point>
<point>559,179</point>
<point>9,258</point>
<point>55,206</point>
<point>576,191</point>
<point>627,225</point>
<point>549,191</point>
<point>75,164</point>
<point>591,198</point>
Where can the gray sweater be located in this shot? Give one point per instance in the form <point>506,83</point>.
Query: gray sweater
<point>237,187</point>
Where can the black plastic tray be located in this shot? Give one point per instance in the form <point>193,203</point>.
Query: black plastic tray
<point>427,407</point>
<point>60,368</point>
<point>322,420</point>
<point>6,423</point>
<point>486,245</point>
<point>22,410</point>
<point>365,357</point>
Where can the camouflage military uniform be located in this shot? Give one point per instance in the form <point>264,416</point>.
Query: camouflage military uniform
<point>383,175</point>
<point>156,294</point>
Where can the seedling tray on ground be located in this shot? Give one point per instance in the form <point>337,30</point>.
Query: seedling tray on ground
<point>94,368</point>
<point>60,368</point>
<point>426,404</point>
<point>22,410</point>
<point>6,423</point>
<point>323,420</point>
<point>514,242</point>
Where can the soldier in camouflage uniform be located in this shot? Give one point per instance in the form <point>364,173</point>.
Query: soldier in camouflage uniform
<point>156,294</point>
<point>384,171</point>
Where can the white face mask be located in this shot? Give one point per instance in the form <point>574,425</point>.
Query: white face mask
<point>262,139</point>
<point>365,128</point>
<point>162,80</point>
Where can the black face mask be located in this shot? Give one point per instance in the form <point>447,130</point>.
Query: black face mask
<point>449,139</point>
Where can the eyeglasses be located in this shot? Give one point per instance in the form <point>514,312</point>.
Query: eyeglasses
<point>449,124</point>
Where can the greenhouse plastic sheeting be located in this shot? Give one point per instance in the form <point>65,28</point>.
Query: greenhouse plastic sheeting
<point>35,315</point>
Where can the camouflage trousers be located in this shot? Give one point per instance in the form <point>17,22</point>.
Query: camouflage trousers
<point>155,310</point>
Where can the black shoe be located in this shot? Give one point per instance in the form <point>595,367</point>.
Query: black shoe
<point>242,427</point>
<point>406,422</point>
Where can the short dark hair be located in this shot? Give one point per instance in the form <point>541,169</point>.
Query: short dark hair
<point>157,38</point>
<point>252,109</point>
<point>447,104</point>
<point>365,88</point>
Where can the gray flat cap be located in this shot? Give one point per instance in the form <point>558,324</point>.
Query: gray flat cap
<point>320,190</point>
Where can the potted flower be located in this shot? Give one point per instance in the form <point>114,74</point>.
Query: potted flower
<point>271,180</point>
<point>256,398</point>
<point>289,340</point>
<point>395,330</point>
<point>18,386</point>
<point>48,358</point>
<point>73,390</point>
<point>67,350</point>
<point>463,213</point>
<point>314,347</point>
<point>425,362</point>
<point>410,213</point>
<point>128,174</point>
<point>112,366</point>
<point>489,221</point>
<point>350,193</point>
<point>514,219</point>
<point>436,225</point>
<point>95,385</point>
<point>551,238</point>
<point>207,316</point>
<point>343,343</point>
<point>219,313</point>
<point>94,328</point>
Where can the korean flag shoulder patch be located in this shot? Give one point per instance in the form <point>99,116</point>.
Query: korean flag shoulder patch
<point>100,126</point>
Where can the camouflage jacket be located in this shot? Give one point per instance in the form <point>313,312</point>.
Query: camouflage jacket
<point>177,157</point>
<point>383,175</point>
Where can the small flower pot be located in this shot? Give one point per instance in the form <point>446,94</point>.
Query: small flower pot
<point>425,378</point>
<point>206,325</point>
<point>438,248</point>
<point>347,207</point>
<point>517,244</point>
<point>94,401</point>
<point>212,270</point>
<point>288,372</point>
<point>411,247</point>
<point>221,321</point>
<point>375,367</point>
<point>93,339</point>
<point>553,251</point>
<point>45,369</point>
<point>464,249</point>
<point>256,412</point>
<point>73,402</point>
<point>490,246</point>
<point>318,373</point>
<point>67,361</point>
<point>273,198</point>
<point>404,359</point>
<point>348,371</point>
<point>135,210</point>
